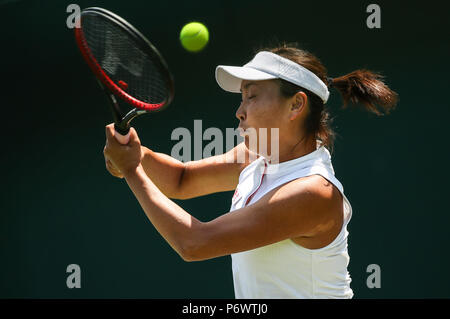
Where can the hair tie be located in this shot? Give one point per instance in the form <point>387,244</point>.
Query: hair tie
<point>330,82</point>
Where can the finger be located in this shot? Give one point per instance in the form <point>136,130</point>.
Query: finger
<point>110,136</point>
<point>115,174</point>
<point>113,170</point>
<point>109,131</point>
<point>106,150</point>
<point>111,165</point>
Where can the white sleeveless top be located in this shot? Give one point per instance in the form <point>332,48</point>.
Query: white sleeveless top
<point>286,269</point>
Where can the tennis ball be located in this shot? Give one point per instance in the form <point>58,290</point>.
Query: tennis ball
<point>194,36</point>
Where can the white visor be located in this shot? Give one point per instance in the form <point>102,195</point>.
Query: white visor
<point>266,66</point>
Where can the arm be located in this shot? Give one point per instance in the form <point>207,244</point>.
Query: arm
<point>180,180</point>
<point>214,174</point>
<point>298,208</point>
<point>165,171</point>
<point>169,219</point>
<point>295,209</point>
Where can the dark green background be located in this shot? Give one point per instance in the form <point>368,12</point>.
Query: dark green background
<point>60,206</point>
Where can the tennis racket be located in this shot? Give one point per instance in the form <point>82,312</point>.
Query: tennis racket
<point>127,66</point>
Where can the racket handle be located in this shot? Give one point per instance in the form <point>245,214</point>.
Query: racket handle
<point>122,135</point>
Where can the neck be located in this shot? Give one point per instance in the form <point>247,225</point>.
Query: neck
<point>295,149</point>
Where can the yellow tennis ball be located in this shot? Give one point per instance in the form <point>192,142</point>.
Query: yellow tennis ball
<point>194,36</point>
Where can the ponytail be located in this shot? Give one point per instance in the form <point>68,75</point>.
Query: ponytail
<point>366,88</point>
<point>360,87</point>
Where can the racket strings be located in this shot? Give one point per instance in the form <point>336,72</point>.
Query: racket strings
<point>123,61</point>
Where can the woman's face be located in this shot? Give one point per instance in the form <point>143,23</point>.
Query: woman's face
<point>263,109</point>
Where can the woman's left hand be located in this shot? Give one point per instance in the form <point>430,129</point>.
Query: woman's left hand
<point>126,158</point>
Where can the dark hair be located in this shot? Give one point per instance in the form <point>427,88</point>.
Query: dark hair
<point>362,87</point>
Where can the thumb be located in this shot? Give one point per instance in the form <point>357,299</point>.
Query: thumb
<point>134,138</point>
<point>111,142</point>
<point>109,132</point>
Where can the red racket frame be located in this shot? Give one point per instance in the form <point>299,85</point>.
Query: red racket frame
<point>105,79</point>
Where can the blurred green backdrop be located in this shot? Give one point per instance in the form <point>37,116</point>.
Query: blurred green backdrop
<point>60,206</point>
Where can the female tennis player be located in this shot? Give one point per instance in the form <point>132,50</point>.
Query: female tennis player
<point>286,230</point>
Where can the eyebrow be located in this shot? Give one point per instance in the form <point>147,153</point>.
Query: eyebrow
<point>247,86</point>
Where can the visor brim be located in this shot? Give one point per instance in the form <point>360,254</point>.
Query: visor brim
<point>230,78</point>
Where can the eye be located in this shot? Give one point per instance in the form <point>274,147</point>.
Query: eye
<point>247,98</point>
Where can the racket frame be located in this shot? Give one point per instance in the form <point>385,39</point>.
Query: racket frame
<point>122,122</point>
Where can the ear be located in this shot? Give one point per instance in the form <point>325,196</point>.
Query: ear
<point>298,104</point>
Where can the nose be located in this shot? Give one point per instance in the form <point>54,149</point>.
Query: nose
<point>240,114</point>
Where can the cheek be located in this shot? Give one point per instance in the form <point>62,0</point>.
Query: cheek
<point>265,115</point>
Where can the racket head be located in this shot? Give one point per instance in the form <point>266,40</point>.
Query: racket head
<point>124,60</point>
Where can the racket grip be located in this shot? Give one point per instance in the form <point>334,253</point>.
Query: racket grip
<point>122,136</point>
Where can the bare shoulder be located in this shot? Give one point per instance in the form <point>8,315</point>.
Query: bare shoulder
<point>326,207</point>
<point>325,195</point>
<point>313,200</point>
<point>322,187</point>
<point>315,187</point>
